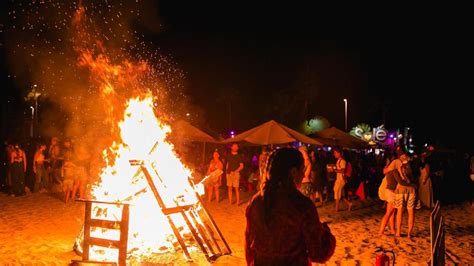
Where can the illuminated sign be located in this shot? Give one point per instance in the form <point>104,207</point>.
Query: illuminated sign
<point>363,131</point>
<point>380,134</point>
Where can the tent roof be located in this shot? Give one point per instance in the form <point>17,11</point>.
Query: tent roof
<point>271,132</point>
<point>188,132</point>
<point>335,137</point>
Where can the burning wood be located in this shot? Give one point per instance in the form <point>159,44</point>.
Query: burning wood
<point>163,203</point>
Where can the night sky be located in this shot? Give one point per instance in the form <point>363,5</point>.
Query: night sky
<point>292,62</point>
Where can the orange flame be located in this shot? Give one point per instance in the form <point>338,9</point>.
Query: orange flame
<point>140,131</point>
<point>142,137</point>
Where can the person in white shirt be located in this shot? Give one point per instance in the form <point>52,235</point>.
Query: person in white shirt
<point>340,180</point>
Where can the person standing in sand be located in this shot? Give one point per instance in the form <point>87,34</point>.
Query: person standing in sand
<point>235,164</point>
<point>54,154</point>
<point>340,180</point>
<point>405,195</point>
<point>68,172</point>
<point>392,173</point>
<point>425,189</point>
<point>39,169</point>
<point>215,166</point>
<point>18,169</point>
<point>9,152</point>
<point>283,226</point>
<point>318,176</point>
<point>306,185</point>
<point>81,172</point>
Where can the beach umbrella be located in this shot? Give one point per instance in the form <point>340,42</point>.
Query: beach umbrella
<point>183,131</point>
<point>335,137</point>
<point>187,132</point>
<point>271,132</point>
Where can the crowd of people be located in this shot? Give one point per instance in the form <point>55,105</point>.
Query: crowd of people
<point>345,175</point>
<point>58,167</point>
<point>283,226</point>
<point>287,184</point>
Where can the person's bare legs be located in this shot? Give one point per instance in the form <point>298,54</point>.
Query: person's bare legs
<point>312,196</point>
<point>229,192</point>
<point>82,189</point>
<point>411,221</point>
<point>66,195</point>
<point>337,204</point>
<point>209,193</point>
<point>349,204</point>
<point>399,220</point>
<point>392,222</point>
<point>217,193</point>
<point>74,189</point>
<point>319,195</point>
<point>388,216</point>
<point>237,195</point>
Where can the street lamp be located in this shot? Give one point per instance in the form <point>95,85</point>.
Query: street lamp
<point>345,114</point>
<point>32,125</point>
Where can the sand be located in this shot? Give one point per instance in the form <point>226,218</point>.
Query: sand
<point>39,229</point>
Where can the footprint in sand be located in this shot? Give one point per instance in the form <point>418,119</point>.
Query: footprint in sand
<point>347,250</point>
<point>397,242</point>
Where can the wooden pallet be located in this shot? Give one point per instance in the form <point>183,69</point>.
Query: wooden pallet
<point>198,220</point>
<point>89,241</point>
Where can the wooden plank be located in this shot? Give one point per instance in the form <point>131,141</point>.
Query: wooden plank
<point>107,243</point>
<point>434,223</point>
<point>92,262</point>
<point>202,232</point>
<point>195,235</point>
<point>179,238</point>
<point>162,206</point>
<point>438,253</point>
<point>105,223</point>
<point>177,209</point>
<point>100,202</point>
<point>153,187</point>
<point>124,235</point>
<point>210,232</point>
<point>87,232</point>
<point>214,225</point>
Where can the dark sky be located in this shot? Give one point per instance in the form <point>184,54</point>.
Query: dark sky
<point>266,59</point>
<point>262,51</point>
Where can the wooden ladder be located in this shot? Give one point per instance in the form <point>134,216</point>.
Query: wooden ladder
<point>207,234</point>
<point>121,225</point>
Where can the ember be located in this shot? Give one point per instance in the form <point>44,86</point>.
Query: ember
<point>164,206</point>
<point>141,170</point>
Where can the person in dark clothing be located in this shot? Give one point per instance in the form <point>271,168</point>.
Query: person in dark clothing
<point>235,164</point>
<point>18,169</point>
<point>283,226</point>
<point>318,176</point>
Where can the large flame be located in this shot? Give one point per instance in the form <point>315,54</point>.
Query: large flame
<point>143,138</point>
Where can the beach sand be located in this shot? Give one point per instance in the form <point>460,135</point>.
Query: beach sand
<point>39,229</point>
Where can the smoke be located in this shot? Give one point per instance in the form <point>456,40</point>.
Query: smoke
<point>58,45</point>
<point>87,59</point>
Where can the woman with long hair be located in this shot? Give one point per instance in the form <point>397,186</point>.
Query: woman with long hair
<point>215,171</point>
<point>425,189</point>
<point>18,169</point>
<point>283,226</point>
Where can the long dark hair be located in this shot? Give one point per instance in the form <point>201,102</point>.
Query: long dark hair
<point>277,176</point>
